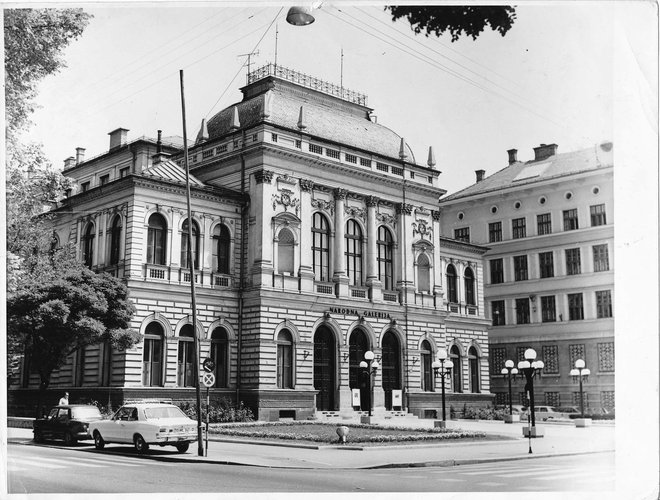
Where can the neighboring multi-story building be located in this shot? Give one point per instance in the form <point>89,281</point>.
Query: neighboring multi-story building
<point>549,281</point>
<point>316,237</point>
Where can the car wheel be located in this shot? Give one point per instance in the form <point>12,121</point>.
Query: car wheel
<point>69,440</point>
<point>38,437</point>
<point>183,447</point>
<point>141,445</point>
<point>99,443</point>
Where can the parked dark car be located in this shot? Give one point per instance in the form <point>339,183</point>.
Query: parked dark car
<point>67,422</point>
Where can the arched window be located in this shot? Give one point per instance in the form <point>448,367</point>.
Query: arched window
<point>221,242</point>
<point>473,358</point>
<point>88,245</point>
<point>469,287</point>
<point>426,355</point>
<point>115,240</point>
<point>353,253</point>
<point>320,247</point>
<point>423,273</point>
<point>186,358</point>
<point>358,344</point>
<point>452,290</point>
<point>391,366</point>
<point>285,245</point>
<point>185,249</point>
<point>156,240</point>
<point>385,245</point>
<point>152,362</point>
<point>457,370</point>
<point>284,360</point>
<point>220,355</point>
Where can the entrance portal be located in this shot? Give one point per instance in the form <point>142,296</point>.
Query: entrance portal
<point>357,377</point>
<point>324,368</point>
<point>391,367</point>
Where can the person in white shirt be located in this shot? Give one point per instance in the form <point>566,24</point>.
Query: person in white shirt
<point>64,400</point>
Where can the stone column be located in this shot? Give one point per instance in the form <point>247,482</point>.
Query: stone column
<point>306,272</point>
<point>96,260</point>
<point>339,276</point>
<point>405,257</point>
<point>437,258</point>
<point>261,250</point>
<point>375,286</point>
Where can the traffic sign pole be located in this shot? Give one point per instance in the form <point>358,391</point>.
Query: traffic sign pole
<point>206,444</point>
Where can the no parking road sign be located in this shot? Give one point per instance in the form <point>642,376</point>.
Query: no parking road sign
<point>208,379</point>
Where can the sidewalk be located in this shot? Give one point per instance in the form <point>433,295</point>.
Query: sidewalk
<point>559,440</point>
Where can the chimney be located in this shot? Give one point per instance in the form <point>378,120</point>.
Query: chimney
<point>69,162</point>
<point>480,175</point>
<point>117,138</point>
<point>513,156</point>
<point>431,160</point>
<point>545,151</point>
<point>160,157</point>
<point>203,134</point>
<point>159,142</point>
<point>80,155</point>
<point>235,121</point>
<point>402,149</point>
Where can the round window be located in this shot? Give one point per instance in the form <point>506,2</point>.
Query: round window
<point>517,205</point>
<point>568,195</point>
<point>460,215</point>
<point>542,200</point>
<point>595,190</point>
<point>493,210</point>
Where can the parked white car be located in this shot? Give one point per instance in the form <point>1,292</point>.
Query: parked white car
<point>143,424</point>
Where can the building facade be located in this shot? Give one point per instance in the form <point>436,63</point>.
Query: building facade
<point>549,281</point>
<point>315,238</point>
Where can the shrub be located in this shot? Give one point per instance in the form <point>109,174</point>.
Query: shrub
<point>219,411</point>
<point>487,413</point>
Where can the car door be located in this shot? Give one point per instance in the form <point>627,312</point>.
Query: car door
<point>112,431</point>
<point>61,422</point>
<point>126,425</point>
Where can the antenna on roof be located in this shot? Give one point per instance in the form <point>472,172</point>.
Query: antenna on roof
<point>277,31</point>
<point>249,58</point>
<point>341,76</point>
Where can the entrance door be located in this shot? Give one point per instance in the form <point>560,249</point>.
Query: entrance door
<point>391,367</point>
<point>357,377</point>
<point>324,369</point>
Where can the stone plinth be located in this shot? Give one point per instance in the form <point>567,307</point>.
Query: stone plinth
<point>536,432</point>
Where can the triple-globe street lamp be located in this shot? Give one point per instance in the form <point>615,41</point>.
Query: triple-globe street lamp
<point>530,367</point>
<point>580,372</point>
<point>369,366</point>
<point>509,371</point>
<point>443,368</point>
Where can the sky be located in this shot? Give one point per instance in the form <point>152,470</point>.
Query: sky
<point>549,80</point>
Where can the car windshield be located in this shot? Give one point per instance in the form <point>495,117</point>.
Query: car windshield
<point>91,412</point>
<point>164,412</point>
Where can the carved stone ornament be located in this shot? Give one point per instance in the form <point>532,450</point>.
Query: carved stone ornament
<point>287,201</point>
<point>306,184</point>
<point>421,227</point>
<point>326,206</point>
<point>355,212</point>
<point>421,211</point>
<point>340,194</point>
<point>435,214</point>
<point>263,176</point>
<point>286,179</point>
<point>404,208</point>
<point>386,219</point>
<point>372,201</point>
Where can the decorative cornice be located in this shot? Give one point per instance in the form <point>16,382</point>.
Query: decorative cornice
<point>286,179</point>
<point>263,176</point>
<point>404,208</point>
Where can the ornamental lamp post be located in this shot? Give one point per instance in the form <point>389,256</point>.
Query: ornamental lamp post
<point>581,373</point>
<point>442,367</point>
<point>510,372</point>
<point>530,368</point>
<point>370,366</point>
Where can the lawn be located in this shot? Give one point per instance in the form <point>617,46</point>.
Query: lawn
<point>326,433</point>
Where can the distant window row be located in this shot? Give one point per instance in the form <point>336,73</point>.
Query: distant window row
<point>543,224</point>
<point>575,303</point>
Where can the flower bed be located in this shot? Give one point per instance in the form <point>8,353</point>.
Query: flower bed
<point>315,432</point>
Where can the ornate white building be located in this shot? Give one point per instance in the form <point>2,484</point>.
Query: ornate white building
<point>316,237</point>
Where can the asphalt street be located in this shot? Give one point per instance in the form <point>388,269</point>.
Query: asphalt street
<point>55,469</point>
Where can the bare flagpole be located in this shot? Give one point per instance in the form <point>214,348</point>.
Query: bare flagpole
<point>191,267</point>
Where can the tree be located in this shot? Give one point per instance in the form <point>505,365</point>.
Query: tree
<point>34,41</point>
<point>457,19</point>
<point>52,318</point>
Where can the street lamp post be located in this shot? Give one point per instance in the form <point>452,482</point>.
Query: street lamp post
<point>581,373</point>
<point>530,367</point>
<point>370,366</point>
<point>510,372</point>
<point>443,368</point>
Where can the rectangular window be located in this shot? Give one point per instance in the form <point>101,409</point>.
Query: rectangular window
<point>462,234</point>
<point>497,359</point>
<point>544,224</point>
<point>255,138</point>
<point>552,398</point>
<point>123,172</point>
<point>575,352</point>
<point>577,400</point>
<point>313,148</point>
<point>412,175</point>
<point>494,232</point>
<point>520,267</point>
<point>606,357</point>
<point>273,137</point>
<point>382,167</point>
<point>207,154</point>
<point>496,271</point>
<point>546,265</point>
<point>332,153</point>
<point>597,215</point>
<point>430,179</point>
<point>575,308</point>
<point>604,304</point>
<point>522,311</point>
<point>497,312</point>
<point>519,228</point>
<point>601,258</point>
<point>104,179</point>
<point>550,356</point>
<point>350,158</point>
<point>501,398</point>
<point>548,310</point>
<point>570,219</point>
<point>365,162</point>
<point>84,186</point>
<point>397,171</point>
<point>221,149</point>
<point>298,143</point>
<point>520,351</point>
<point>573,265</point>
<point>607,399</point>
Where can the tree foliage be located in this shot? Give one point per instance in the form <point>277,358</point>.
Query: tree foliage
<point>457,19</point>
<point>34,41</point>
<point>53,318</point>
